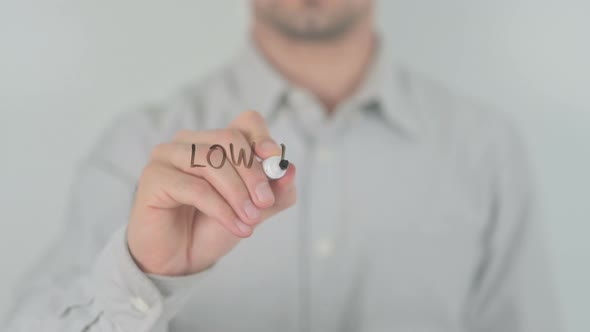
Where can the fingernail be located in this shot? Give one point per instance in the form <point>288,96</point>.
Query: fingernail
<point>243,227</point>
<point>264,193</point>
<point>269,146</point>
<point>251,211</point>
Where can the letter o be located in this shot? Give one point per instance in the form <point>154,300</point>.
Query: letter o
<point>213,148</point>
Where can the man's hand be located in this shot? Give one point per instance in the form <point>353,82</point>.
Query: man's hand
<point>186,218</point>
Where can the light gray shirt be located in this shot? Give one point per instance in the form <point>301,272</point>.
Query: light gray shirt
<point>414,213</point>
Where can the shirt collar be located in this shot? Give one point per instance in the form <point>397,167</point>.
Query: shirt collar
<point>260,86</point>
<point>263,88</point>
<point>387,88</point>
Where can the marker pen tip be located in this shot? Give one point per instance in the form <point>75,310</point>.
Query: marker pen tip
<point>284,164</point>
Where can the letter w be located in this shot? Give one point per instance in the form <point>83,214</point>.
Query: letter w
<point>241,156</point>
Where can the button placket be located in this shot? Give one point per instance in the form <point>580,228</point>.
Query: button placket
<point>309,113</point>
<point>324,229</point>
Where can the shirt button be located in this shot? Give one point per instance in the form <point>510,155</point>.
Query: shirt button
<point>324,155</point>
<point>140,305</point>
<point>325,248</point>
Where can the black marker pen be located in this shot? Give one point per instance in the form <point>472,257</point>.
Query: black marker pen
<point>275,167</point>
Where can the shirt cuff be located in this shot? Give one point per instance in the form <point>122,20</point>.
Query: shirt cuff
<point>131,299</point>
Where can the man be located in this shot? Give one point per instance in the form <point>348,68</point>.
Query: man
<point>414,207</point>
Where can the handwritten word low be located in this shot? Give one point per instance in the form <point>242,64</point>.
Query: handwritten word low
<point>241,158</point>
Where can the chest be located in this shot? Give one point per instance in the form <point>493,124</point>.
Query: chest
<point>385,230</point>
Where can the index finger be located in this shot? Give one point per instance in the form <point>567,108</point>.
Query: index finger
<point>253,126</point>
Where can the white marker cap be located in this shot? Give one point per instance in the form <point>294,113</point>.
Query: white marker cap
<point>275,167</point>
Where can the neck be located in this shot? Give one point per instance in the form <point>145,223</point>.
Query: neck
<point>331,70</point>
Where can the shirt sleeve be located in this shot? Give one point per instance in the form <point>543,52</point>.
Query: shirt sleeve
<point>513,290</point>
<point>87,281</point>
<point>130,299</point>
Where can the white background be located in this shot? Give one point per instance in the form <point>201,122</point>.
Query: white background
<point>68,67</point>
